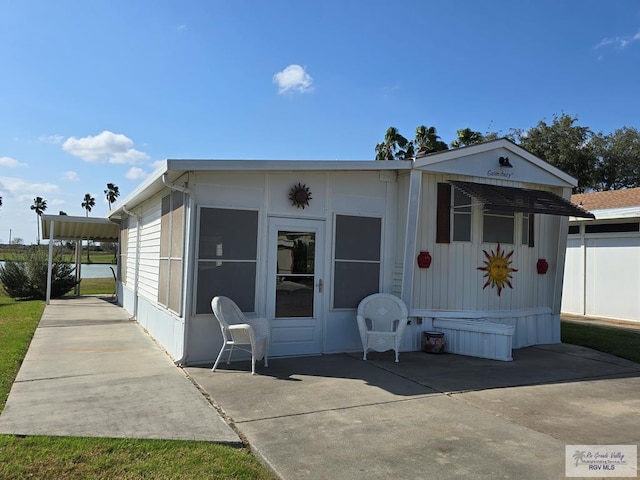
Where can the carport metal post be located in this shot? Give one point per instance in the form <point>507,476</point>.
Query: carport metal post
<point>50,263</point>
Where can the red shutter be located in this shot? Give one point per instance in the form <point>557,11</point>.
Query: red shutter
<point>443,214</point>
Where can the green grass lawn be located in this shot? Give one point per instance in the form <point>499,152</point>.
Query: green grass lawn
<point>65,458</point>
<point>621,343</point>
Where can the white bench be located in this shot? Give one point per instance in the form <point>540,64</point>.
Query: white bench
<point>477,338</point>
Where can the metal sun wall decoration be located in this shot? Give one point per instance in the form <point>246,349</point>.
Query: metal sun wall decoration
<point>498,269</point>
<point>300,195</point>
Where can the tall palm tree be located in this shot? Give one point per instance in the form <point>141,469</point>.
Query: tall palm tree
<point>88,203</point>
<point>39,206</point>
<point>467,137</point>
<point>428,141</point>
<point>112,192</point>
<point>392,147</point>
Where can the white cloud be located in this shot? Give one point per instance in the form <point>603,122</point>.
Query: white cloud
<point>157,164</point>
<point>619,41</point>
<point>136,173</point>
<point>11,162</point>
<point>104,147</point>
<point>71,176</point>
<point>51,138</point>
<point>292,79</point>
<point>23,191</point>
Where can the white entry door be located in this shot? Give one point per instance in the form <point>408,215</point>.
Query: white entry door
<point>295,286</point>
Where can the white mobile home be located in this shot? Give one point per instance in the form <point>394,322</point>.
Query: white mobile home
<point>459,235</point>
<point>602,272</point>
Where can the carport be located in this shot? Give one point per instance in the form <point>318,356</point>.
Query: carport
<point>68,228</point>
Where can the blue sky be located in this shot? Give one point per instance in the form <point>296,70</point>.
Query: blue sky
<point>97,91</point>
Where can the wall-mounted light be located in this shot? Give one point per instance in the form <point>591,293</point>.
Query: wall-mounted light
<point>504,162</point>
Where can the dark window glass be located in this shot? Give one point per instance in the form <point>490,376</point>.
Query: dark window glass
<point>231,279</point>
<point>497,227</point>
<point>228,234</point>
<point>612,227</point>
<point>227,257</point>
<point>356,273</point>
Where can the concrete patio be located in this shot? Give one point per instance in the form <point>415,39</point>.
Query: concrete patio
<point>91,371</point>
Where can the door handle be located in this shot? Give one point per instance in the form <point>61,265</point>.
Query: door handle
<point>320,286</point>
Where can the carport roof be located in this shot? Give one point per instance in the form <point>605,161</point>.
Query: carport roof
<point>66,227</point>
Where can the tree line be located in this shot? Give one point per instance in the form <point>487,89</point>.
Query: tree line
<point>598,161</point>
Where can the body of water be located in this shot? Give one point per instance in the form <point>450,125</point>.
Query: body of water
<point>94,270</point>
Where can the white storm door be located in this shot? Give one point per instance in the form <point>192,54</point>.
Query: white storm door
<point>295,286</point>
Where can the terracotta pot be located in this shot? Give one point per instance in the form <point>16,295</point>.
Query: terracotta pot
<point>542,266</point>
<point>424,260</point>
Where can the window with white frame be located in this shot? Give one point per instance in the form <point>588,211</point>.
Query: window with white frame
<point>227,257</point>
<point>171,252</point>
<point>356,259</point>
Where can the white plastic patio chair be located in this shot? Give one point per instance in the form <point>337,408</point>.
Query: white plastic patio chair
<point>248,334</point>
<point>382,319</point>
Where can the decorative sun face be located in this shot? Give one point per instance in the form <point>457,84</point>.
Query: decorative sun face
<point>300,195</point>
<point>498,269</point>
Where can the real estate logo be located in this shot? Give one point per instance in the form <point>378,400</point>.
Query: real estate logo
<point>601,460</point>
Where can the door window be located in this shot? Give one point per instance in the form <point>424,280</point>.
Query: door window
<point>295,276</point>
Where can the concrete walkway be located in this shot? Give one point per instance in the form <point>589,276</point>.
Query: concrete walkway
<point>90,371</point>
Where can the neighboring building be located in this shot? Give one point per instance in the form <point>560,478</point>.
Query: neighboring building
<point>302,242</point>
<point>602,272</point>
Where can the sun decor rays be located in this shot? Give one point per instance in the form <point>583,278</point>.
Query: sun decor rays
<point>497,268</point>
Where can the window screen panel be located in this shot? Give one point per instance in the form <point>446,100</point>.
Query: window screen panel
<point>231,279</point>
<point>177,224</point>
<point>228,234</point>
<point>358,238</point>
<point>165,227</point>
<point>175,286</point>
<point>353,281</point>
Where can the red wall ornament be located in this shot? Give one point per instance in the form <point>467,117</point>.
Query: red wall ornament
<point>424,260</point>
<point>542,266</point>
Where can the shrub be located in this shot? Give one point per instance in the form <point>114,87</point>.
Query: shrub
<point>28,279</point>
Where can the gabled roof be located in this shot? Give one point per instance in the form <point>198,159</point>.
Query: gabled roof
<point>458,158</point>
<point>629,197</point>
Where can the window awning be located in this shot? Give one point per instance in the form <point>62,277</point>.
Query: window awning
<point>511,199</point>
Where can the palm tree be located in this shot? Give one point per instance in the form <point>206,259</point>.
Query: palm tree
<point>39,206</point>
<point>428,141</point>
<point>88,203</point>
<point>112,192</point>
<point>467,137</point>
<point>392,147</point>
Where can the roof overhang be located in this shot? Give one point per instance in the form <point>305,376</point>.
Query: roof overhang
<point>66,227</point>
<point>511,199</point>
<point>172,170</point>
